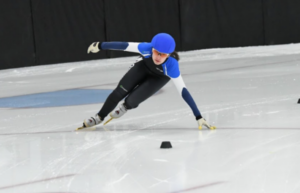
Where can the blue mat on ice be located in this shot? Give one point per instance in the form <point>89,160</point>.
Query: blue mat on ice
<point>56,99</point>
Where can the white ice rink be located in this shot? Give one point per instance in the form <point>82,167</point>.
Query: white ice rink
<point>249,94</point>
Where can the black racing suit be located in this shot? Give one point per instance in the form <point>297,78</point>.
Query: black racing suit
<point>141,81</point>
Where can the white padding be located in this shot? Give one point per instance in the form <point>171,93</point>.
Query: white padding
<point>179,83</point>
<point>132,47</point>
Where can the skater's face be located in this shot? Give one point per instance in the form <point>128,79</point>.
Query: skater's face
<point>158,57</point>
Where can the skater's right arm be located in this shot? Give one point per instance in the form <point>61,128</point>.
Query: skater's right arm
<point>141,48</point>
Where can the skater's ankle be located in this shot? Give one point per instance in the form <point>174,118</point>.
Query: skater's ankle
<point>127,107</point>
<point>100,117</point>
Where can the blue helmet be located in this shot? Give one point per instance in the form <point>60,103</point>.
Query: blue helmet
<point>163,43</point>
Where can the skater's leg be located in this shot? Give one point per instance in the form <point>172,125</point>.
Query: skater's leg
<point>130,80</point>
<point>145,90</point>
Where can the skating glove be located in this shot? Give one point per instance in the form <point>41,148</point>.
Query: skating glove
<point>93,48</point>
<point>202,122</point>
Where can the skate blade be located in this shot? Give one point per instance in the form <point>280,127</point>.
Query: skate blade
<point>211,127</point>
<point>108,121</point>
<point>93,128</point>
<point>82,127</point>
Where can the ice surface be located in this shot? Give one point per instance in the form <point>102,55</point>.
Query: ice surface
<point>250,94</point>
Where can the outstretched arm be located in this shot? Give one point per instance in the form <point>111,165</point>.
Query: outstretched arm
<point>141,48</point>
<point>181,88</point>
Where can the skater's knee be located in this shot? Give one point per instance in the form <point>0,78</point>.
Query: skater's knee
<point>130,104</point>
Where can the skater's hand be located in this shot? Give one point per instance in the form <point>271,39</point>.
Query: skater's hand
<point>202,122</point>
<point>93,48</point>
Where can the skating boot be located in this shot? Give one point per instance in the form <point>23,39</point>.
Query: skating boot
<point>91,122</point>
<point>119,112</point>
